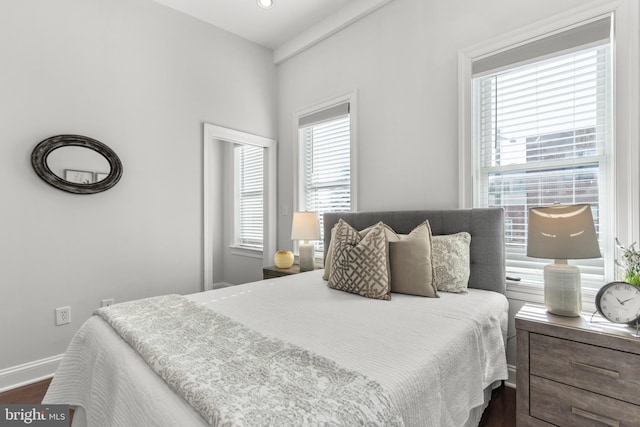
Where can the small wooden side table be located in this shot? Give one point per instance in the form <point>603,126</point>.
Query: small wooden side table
<point>272,272</point>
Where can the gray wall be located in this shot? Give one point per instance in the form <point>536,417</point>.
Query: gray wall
<point>141,78</point>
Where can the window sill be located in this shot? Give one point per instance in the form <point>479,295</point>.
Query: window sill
<point>527,292</point>
<point>246,252</point>
<point>534,293</point>
<point>318,261</point>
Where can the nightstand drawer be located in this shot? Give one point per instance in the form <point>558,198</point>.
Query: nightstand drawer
<point>562,405</point>
<point>601,370</point>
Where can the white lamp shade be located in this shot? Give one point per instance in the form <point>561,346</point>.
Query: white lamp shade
<point>562,232</point>
<point>305,226</point>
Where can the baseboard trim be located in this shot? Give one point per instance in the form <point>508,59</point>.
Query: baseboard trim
<point>511,381</point>
<point>28,373</point>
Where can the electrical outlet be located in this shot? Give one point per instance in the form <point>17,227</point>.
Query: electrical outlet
<point>63,315</point>
<point>106,302</point>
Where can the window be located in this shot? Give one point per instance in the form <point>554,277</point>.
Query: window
<point>324,166</point>
<point>249,172</point>
<point>543,134</point>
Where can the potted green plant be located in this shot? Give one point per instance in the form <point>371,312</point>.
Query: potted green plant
<point>630,263</point>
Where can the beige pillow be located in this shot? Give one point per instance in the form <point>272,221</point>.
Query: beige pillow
<point>360,265</point>
<point>327,259</point>
<point>451,262</point>
<point>410,260</point>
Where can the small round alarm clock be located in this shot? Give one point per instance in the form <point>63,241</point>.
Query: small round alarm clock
<point>619,302</point>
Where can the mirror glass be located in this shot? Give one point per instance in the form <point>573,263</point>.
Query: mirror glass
<point>79,165</point>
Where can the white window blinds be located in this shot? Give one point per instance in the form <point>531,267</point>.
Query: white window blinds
<point>542,134</point>
<point>250,196</point>
<point>325,162</point>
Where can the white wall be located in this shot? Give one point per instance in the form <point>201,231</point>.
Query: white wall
<point>402,60</point>
<point>141,78</point>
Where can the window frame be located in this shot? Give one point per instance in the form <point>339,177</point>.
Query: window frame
<point>524,266</point>
<point>626,106</point>
<point>350,98</point>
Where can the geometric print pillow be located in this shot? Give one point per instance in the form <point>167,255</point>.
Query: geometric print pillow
<point>360,265</point>
<point>327,262</point>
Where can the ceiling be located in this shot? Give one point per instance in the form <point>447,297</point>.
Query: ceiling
<point>286,21</point>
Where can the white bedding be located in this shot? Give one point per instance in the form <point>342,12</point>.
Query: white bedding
<point>433,356</point>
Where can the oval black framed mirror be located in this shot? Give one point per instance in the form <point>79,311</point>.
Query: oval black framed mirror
<point>76,164</point>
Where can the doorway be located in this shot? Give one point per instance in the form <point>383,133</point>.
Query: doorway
<point>224,263</point>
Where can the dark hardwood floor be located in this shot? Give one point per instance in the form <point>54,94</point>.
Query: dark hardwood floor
<point>32,393</point>
<point>500,413</point>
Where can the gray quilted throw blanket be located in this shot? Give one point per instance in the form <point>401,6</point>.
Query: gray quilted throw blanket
<point>236,376</point>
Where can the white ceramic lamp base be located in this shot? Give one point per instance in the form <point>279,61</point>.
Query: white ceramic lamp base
<point>562,289</point>
<point>307,261</point>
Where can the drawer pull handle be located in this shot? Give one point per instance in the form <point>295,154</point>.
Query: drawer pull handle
<point>594,417</point>
<point>597,370</point>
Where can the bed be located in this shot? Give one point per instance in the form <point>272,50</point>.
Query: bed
<point>418,361</point>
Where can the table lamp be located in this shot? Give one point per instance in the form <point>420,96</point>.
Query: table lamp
<point>562,232</point>
<point>305,227</point>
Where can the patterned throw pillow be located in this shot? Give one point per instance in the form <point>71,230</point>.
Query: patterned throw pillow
<point>328,260</point>
<point>451,262</point>
<point>360,265</point>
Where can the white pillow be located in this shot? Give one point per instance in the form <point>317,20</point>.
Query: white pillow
<point>451,262</point>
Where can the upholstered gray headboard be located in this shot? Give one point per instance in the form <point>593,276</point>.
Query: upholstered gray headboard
<point>486,227</point>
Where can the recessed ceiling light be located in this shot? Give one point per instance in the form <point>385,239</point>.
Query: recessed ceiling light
<point>265,4</point>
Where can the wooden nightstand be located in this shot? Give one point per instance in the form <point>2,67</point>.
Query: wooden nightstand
<point>273,271</point>
<point>573,372</point>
